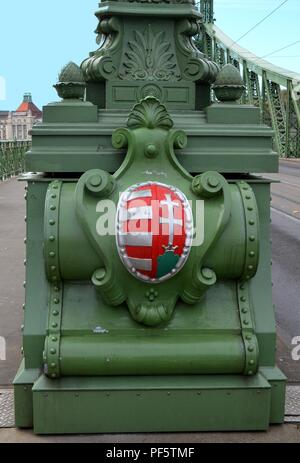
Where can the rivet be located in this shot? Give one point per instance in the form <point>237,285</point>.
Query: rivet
<point>55,187</point>
<point>52,254</point>
<point>25,262</point>
<point>248,197</point>
<point>250,208</point>
<point>250,372</point>
<point>25,218</point>
<point>52,222</point>
<point>56,289</point>
<point>243,298</point>
<point>252,238</point>
<point>22,327</point>
<point>56,301</point>
<point>53,196</point>
<point>53,365</point>
<point>53,268</point>
<point>25,240</point>
<point>54,339</point>
<point>54,325</point>
<point>250,348</point>
<point>55,313</point>
<point>53,375</point>
<point>23,306</point>
<point>250,267</point>
<point>24,284</point>
<point>248,337</point>
<point>22,350</point>
<point>53,351</point>
<point>52,207</point>
<point>246,322</point>
<point>244,310</point>
<point>252,254</point>
<point>251,362</point>
<point>54,279</point>
<point>251,222</point>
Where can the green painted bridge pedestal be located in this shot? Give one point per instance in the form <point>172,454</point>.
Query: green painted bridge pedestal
<point>148,281</point>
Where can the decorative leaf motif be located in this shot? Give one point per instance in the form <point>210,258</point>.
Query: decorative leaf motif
<point>149,113</point>
<point>149,57</point>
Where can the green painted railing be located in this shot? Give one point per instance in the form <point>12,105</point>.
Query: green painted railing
<point>276,91</point>
<point>12,158</point>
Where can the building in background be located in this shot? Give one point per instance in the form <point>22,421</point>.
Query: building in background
<point>15,125</point>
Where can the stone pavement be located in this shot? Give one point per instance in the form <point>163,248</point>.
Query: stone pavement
<point>288,433</point>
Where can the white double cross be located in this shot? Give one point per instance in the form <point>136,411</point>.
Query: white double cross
<point>170,220</point>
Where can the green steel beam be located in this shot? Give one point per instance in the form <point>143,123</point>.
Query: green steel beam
<point>276,91</point>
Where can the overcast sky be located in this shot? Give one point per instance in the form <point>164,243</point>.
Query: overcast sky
<point>39,37</point>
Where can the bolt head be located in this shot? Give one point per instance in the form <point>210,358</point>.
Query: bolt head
<point>213,181</point>
<point>95,181</point>
<point>100,274</point>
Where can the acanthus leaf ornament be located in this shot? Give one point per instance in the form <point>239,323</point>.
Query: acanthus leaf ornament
<point>149,57</point>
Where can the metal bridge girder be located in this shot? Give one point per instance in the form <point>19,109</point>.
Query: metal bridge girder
<point>276,91</point>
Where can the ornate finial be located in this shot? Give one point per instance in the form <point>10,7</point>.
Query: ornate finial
<point>71,83</point>
<point>229,85</point>
<point>149,113</point>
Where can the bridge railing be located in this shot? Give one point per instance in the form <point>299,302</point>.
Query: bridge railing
<point>12,158</point>
<point>276,91</point>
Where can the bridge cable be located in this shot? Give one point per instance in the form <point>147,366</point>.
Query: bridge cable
<point>281,49</point>
<point>260,22</point>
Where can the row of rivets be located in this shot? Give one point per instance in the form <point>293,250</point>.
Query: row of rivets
<point>247,328</point>
<point>51,227</point>
<point>52,348</point>
<point>252,237</point>
<point>25,261</point>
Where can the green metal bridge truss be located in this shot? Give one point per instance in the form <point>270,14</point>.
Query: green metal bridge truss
<point>12,158</point>
<point>276,91</point>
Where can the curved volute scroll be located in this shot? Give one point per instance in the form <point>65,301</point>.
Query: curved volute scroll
<point>194,65</point>
<point>102,64</point>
